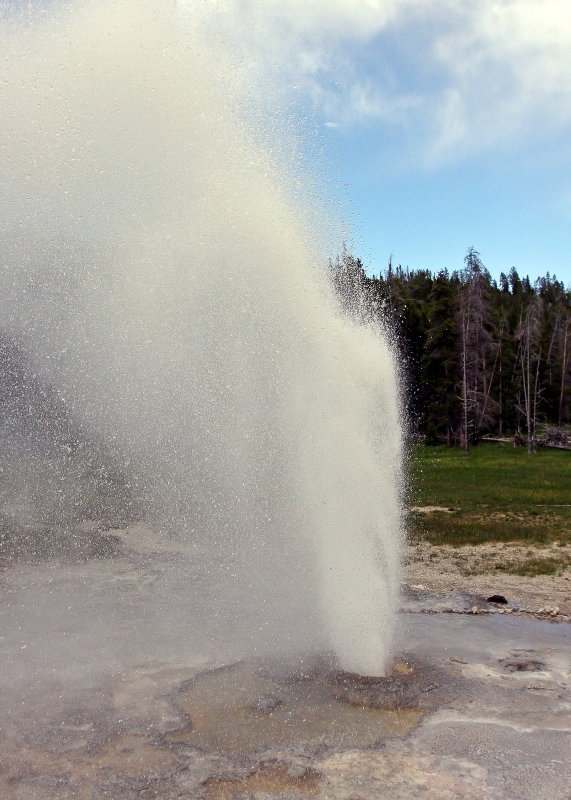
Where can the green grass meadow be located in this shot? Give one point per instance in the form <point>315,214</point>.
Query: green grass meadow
<point>493,493</point>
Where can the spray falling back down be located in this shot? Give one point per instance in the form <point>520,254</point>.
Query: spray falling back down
<point>158,274</point>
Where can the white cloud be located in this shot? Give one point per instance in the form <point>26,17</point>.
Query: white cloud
<point>459,78</point>
<point>345,18</point>
<point>509,72</point>
<point>312,18</point>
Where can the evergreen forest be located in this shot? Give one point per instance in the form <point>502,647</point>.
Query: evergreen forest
<point>481,358</point>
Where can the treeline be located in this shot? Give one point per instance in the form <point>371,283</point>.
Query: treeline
<point>481,357</point>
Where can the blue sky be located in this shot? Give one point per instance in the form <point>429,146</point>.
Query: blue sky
<point>445,122</point>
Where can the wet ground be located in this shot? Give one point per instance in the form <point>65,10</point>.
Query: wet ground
<point>128,677</point>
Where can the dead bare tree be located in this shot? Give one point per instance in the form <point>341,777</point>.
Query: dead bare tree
<point>474,323</point>
<point>529,336</point>
<point>564,369</point>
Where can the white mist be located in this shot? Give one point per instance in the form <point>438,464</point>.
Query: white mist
<point>160,276</point>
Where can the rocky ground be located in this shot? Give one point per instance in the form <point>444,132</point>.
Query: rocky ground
<point>109,692</point>
<point>486,569</point>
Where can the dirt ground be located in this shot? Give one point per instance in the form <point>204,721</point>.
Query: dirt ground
<point>474,569</point>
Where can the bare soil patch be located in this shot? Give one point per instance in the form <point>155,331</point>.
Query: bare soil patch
<point>488,569</point>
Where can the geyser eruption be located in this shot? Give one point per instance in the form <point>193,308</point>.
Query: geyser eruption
<point>161,279</point>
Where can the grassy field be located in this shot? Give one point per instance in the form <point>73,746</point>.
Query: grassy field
<point>494,493</point>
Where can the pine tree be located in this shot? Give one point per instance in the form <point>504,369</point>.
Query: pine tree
<point>439,362</point>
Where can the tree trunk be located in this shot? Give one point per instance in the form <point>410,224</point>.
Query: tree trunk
<point>465,388</point>
<point>563,376</point>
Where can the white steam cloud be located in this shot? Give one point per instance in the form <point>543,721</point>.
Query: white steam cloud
<point>456,78</point>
